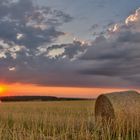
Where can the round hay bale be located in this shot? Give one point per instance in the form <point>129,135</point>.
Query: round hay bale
<point>124,105</point>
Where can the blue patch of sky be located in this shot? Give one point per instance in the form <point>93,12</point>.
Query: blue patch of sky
<point>86,13</point>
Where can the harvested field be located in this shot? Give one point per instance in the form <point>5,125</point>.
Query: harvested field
<point>64,120</point>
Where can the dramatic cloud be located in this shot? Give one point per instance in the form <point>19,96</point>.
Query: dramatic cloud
<point>29,54</point>
<point>24,23</point>
<point>117,55</point>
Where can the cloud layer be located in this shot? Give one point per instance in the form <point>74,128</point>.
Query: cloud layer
<point>27,55</point>
<point>118,54</point>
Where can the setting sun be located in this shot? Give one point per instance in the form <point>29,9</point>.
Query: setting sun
<point>2,89</point>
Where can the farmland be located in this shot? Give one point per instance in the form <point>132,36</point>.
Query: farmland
<point>58,120</point>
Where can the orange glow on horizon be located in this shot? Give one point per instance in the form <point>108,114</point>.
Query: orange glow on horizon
<point>82,92</point>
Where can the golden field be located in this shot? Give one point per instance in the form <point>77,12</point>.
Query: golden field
<point>63,120</point>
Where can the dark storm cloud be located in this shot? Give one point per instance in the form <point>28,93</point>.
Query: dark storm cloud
<point>70,50</point>
<point>111,60</point>
<point>129,36</point>
<point>37,25</point>
<point>118,55</point>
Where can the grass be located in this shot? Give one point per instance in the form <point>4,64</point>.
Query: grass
<point>66,120</point>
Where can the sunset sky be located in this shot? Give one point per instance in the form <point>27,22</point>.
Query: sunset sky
<point>69,48</point>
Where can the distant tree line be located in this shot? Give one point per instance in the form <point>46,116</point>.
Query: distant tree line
<point>35,98</point>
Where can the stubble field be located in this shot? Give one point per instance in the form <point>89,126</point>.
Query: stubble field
<point>64,120</point>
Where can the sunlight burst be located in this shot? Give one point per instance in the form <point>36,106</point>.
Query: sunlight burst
<point>2,89</point>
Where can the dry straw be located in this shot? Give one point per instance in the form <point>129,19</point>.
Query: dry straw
<point>124,105</point>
